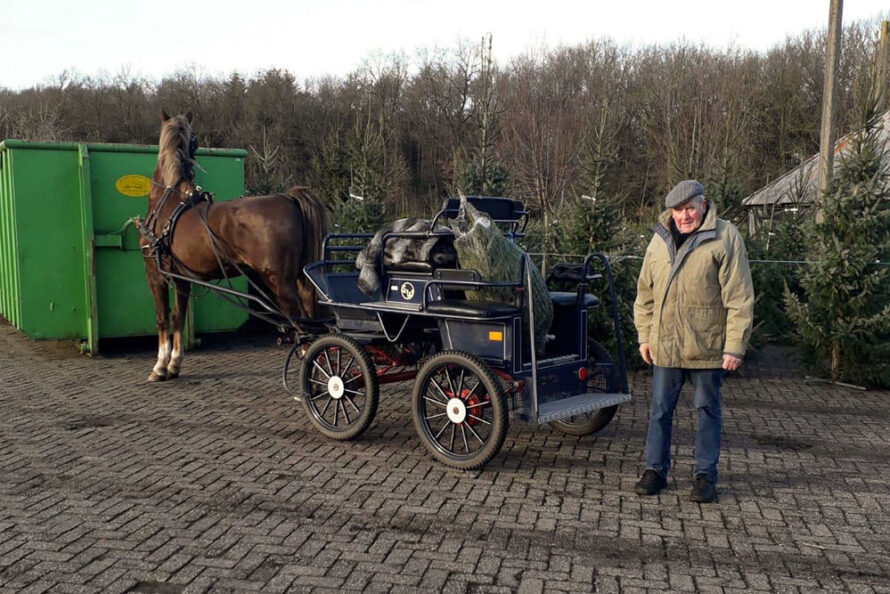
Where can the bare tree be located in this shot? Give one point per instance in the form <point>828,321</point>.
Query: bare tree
<point>543,132</point>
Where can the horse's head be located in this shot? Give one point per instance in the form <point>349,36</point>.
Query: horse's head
<point>176,153</point>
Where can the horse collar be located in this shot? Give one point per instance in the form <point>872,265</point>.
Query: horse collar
<point>160,244</point>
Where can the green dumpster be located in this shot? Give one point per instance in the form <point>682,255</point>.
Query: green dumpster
<point>70,264</point>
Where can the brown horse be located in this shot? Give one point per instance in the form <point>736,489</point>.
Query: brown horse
<point>272,236</point>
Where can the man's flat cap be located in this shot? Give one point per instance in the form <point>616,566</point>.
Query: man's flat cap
<point>683,191</point>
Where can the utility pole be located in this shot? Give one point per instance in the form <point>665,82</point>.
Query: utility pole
<point>883,67</point>
<point>485,141</point>
<point>829,95</point>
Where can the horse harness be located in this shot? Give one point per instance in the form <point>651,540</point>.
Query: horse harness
<point>160,245</point>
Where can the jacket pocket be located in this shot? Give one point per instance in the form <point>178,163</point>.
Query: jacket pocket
<point>704,332</point>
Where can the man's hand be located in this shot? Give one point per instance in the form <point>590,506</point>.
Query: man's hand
<point>730,362</point>
<point>647,355</point>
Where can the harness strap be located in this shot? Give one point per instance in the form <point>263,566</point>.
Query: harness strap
<point>152,219</point>
<point>193,198</point>
<point>160,246</point>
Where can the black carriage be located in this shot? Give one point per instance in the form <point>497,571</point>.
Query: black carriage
<point>471,361</point>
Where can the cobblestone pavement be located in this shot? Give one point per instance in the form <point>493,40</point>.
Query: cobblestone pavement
<point>217,482</point>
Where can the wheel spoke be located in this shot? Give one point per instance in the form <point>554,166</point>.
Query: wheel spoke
<point>478,419</point>
<point>318,382</point>
<point>328,360</point>
<point>356,392</point>
<point>352,379</point>
<point>460,383</point>
<point>435,416</point>
<point>349,400</point>
<point>339,353</point>
<point>453,429</point>
<point>438,387</point>
<point>326,405</point>
<point>464,433</point>
<point>476,435</point>
<point>319,395</point>
<point>319,367</point>
<point>471,392</point>
<point>450,381</point>
<point>442,430</point>
<point>345,414</point>
<point>336,412</point>
<point>433,400</point>
<point>348,367</point>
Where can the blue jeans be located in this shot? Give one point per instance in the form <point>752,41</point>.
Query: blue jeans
<point>666,385</point>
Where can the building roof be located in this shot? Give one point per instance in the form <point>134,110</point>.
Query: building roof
<point>799,185</point>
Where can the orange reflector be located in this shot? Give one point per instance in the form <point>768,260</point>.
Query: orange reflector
<point>496,336</point>
<point>582,374</point>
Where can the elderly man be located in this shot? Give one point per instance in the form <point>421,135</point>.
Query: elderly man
<point>693,314</point>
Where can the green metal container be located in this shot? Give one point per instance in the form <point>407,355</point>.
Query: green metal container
<point>70,264</point>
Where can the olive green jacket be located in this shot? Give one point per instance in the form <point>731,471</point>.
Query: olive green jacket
<point>696,303</point>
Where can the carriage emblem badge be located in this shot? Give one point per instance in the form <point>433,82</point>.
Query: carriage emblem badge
<point>407,291</point>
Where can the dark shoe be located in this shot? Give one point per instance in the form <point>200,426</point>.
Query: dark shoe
<point>650,483</point>
<point>703,490</point>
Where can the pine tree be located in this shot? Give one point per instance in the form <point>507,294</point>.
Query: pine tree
<point>360,216</point>
<point>264,170</point>
<point>725,189</point>
<point>595,223</point>
<point>843,316</point>
<point>590,226</point>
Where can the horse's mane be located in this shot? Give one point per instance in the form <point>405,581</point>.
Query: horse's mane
<point>175,158</point>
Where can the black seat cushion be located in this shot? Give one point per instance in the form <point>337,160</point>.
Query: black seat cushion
<point>472,309</point>
<point>415,267</point>
<point>568,298</point>
<point>442,255</point>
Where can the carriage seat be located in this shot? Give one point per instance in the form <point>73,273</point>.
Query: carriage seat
<point>472,308</point>
<point>570,298</point>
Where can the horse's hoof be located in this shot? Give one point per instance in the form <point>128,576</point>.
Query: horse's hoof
<point>172,374</point>
<point>155,377</point>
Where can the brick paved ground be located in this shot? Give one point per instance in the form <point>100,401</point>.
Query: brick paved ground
<point>216,482</point>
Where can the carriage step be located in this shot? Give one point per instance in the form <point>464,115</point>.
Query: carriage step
<point>580,404</point>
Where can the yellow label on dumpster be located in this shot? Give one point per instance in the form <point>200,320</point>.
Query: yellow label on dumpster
<point>134,186</point>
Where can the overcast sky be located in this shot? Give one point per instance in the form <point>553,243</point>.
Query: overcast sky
<point>43,38</point>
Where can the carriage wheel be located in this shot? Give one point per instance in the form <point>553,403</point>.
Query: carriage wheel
<point>339,384</point>
<point>459,412</point>
<point>596,420</point>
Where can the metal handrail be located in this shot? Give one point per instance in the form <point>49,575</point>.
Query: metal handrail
<point>614,307</point>
<point>326,249</point>
<point>529,301</point>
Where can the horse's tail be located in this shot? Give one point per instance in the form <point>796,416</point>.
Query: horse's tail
<point>315,222</point>
<point>315,227</point>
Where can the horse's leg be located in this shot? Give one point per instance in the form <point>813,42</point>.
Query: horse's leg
<point>307,296</point>
<point>288,298</point>
<point>284,287</point>
<point>158,289</point>
<point>182,290</point>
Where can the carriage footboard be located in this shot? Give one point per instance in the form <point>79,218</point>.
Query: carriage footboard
<point>556,410</point>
